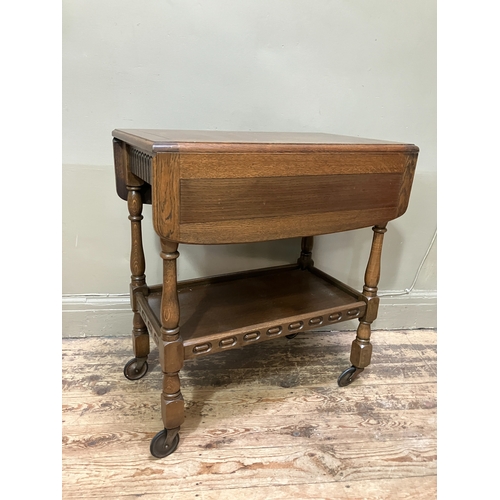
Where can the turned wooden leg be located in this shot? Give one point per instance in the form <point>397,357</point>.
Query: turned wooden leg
<point>137,367</point>
<point>171,356</point>
<point>305,259</point>
<point>361,349</point>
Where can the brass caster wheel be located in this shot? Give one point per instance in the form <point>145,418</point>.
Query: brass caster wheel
<point>347,376</point>
<point>134,370</point>
<point>162,445</point>
<point>291,336</point>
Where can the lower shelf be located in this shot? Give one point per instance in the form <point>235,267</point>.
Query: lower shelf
<point>231,311</point>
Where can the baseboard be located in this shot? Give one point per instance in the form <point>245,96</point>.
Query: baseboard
<point>110,315</point>
<point>96,316</point>
<point>417,309</point>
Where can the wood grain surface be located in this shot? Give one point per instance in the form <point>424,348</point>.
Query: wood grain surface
<point>264,422</point>
<point>209,200</point>
<point>202,141</point>
<point>255,165</point>
<point>216,187</point>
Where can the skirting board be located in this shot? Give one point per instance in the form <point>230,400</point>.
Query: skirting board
<point>110,315</point>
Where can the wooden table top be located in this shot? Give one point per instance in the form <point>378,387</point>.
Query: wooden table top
<point>159,140</point>
<point>215,187</point>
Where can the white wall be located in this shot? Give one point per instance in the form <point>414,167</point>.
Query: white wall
<point>359,68</point>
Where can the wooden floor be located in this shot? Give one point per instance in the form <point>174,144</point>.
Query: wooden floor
<point>265,422</point>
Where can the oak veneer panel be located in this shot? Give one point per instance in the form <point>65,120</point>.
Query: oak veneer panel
<point>120,161</point>
<point>280,227</point>
<point>125,160</point>
<point>212,200</point>
<point>166,195</point>
<point>406,183</point>
<point>241,165</point>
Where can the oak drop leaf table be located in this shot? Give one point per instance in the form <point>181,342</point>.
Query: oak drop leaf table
<point>214,187</point>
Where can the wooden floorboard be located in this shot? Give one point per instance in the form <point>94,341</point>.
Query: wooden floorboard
<point>265,422</point>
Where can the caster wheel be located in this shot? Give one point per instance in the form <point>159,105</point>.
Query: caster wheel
<point>132,372</point>
<point>347,376</point>
<point>159,447</point>
<point>291,336</point>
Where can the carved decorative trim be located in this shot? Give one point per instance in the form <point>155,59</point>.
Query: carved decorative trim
<point>242,338</point>
<point>141,164</point>
<point>252,336</point>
